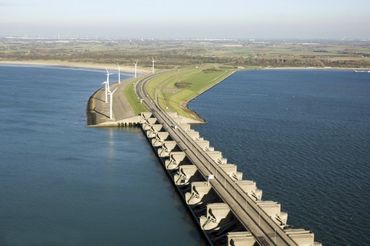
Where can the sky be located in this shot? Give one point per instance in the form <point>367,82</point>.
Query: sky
<point>187,19</point>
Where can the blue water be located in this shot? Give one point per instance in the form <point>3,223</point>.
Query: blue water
<point>304,137</point>
<point>64,184</point>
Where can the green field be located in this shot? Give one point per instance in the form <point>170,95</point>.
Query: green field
<point>174,89</point>
<point>132,98</point>
<point>174,53</point>
<point>191,66</point>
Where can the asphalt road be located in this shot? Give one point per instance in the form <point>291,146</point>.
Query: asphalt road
<point>255,220</point>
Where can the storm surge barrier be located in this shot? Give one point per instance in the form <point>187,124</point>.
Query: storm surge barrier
<point>227,206</point>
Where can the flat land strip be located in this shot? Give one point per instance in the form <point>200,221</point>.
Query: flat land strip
<point>125,103</point>
<point>174,89</point>
<point>187,67</point>
<point>174,53</point>
<point>130,96</point>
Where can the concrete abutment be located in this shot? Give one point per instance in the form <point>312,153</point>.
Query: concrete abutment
<point>213,216</point>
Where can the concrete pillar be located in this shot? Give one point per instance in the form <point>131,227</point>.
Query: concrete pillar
<point>204,144</point>
<point>157,142</point>
<point>273,209</point>
<point>157,127</point>
<point>184,126</point>
<point>197,192</point>
<point>250,187</point>
<point>146,115</point>
<point>154,129</point>
<point>302,237</point>
<point>142,120</point>
<point>151,121</point>
<point>145,126</point>
<point>217,157</point>
<point>242,238</point>
<point>150,133</point>
<point>193,134</point>
<point>166,148</point>
<point>159,139</point>
<point>174,160</point>
<point>173,115</point>
<point>184,174</point>
<point>232,171</point>
<point>216,212</point>
<point>148,123</point>
<point>163,135</point>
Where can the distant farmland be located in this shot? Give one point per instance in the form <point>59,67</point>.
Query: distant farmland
<point>172,54</point>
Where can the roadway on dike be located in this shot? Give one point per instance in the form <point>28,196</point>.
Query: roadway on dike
<point>250,215</point>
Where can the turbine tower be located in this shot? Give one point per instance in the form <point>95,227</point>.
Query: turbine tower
<point>105,90</point>
<point>135,69</point>
<point>153,61</point>
<point>111,103</point>
<point>106,86</point>
<point>119,74</point>
<point>108,74</point>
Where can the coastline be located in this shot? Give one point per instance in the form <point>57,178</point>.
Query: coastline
<point>315,68</point>
<point>203,121</point>
<point>96,114</point>
<point>197,119</point>
<point>56,63</point>
<point>142,70</point>
<point>186,104</point>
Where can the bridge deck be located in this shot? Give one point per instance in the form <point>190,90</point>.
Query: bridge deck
<point>263,228</point>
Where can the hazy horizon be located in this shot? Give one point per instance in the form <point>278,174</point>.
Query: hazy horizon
<point>165,19</point>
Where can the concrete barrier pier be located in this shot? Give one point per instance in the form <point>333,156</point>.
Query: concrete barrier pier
<point>216,217</point>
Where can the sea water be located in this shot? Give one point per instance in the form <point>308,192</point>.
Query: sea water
<point>62,183</point>
<point>304,137</point>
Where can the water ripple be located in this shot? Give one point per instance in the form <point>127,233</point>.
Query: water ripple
<point>306,144</point>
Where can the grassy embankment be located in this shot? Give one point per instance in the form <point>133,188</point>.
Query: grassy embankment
<point>174,89</point>
<point>132,99</point>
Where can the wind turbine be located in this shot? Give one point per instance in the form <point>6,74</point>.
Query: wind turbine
<point>107,87</point>
<point>111,103</point>
<point>135,68</point>
<point>119,74</point>
<point>106,90</point>
<point>153,61</point>
<point>108,74</point>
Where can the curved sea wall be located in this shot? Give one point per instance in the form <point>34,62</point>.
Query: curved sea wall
<point>91,114</point>
<point>97,110</point>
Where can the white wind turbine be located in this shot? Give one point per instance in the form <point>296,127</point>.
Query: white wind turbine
<point>119,74</point>
<point>135,68</point>
<point>111,103</point>
<point>108,76</point>
<point>107,86</point>
<point>153,61</point>
<point>105,90</point>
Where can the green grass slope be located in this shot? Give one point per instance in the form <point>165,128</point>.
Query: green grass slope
<point>174,89</point>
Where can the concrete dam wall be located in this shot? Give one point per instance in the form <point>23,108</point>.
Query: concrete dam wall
<point>215,218</point>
